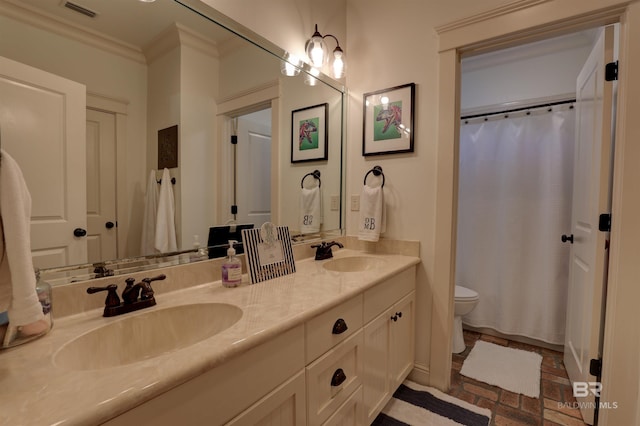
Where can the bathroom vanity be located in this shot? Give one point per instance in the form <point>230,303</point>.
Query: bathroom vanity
<point>326,345</point>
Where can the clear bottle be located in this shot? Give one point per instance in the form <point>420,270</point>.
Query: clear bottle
<point>231,268</point>
<point>43,289</point>
<point>199,252</point>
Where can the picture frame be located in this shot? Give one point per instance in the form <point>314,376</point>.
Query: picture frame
<point>388,122</point>
<point>309,134</point>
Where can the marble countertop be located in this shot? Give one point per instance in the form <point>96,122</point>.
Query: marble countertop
<point>34,391</point>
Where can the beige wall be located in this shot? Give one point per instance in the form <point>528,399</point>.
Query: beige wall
<point>392,46</point>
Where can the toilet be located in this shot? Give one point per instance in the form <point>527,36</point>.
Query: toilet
<point>465,300</point>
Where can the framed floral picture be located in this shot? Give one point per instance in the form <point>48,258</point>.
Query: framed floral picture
<point>388,120</point>
<point>309,134</point>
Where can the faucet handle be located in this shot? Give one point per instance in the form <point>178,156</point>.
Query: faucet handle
<point>147,292</point>
<point>158,278</point>
<point>112,299</point>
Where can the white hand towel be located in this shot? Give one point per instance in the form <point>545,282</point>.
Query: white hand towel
<point>17,276</point>
<point>150,214</point>
<point>165,240</point>
<point>372,213</point>
<point>310,210</point>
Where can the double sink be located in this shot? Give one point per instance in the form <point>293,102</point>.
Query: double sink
<point>140,336</point>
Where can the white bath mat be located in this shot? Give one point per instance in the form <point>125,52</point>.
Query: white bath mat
<point>512,369</point>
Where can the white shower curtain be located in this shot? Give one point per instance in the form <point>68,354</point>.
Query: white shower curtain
<point>514,203</point>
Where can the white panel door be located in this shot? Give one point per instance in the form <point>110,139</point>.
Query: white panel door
<point>253,171</point>
<point>42,120</point>
<point>101,186</point>
<point>591,190</point>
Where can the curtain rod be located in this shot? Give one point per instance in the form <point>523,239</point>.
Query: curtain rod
<point>507,111</point>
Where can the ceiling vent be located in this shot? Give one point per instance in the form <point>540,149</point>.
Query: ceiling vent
<point>80,9</point>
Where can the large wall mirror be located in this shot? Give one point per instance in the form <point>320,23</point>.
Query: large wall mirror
<point>95,97</point>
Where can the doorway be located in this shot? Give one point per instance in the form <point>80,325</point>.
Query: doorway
<point>620,360</point>
<point>253,168</point>
<point>509,294</point>
<point>515,174</point>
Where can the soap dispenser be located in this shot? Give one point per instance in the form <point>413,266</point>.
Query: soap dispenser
<point>231,268</point>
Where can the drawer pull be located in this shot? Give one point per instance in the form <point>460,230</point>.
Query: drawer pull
<point>339,327</point>
<point>338,377</point>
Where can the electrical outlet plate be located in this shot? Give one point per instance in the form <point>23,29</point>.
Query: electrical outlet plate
<point>355,203</point>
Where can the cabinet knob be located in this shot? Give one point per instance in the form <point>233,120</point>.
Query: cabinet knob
<point>399,314</point>
<point>339,327</point>
<point>338,377</point>
<point>394,318</point>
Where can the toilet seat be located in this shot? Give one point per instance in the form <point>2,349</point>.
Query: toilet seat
<point>465,294</point>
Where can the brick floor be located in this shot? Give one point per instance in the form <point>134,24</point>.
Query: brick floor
<point>553,408</point>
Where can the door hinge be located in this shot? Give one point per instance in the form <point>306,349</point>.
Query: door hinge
<point>595,367</point>
<point>234,209</point>
<point>234,139</point>
<point>611,71</point>
<point>604,222</point>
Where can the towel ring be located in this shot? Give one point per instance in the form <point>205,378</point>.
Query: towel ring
<point>173,181</point>
<point>315,174</point>
<point>377,171</point>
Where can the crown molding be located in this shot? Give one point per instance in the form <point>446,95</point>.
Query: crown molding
<point>176,36</point>
<point>31,16</point>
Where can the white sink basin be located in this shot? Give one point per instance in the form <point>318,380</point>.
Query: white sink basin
<point>136,337</point>
<point>353,264</point>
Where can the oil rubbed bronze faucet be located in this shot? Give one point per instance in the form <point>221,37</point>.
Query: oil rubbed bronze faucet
<point>323,250</point>
<point>134,296</point>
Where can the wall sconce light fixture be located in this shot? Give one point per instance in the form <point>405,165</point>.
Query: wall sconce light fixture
<point>317,53</point>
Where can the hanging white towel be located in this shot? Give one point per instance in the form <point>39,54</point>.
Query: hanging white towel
<point>310,210</point>
<point>17,276</point>
<point>372,213</point>
<point>165,240</point>
<point>150,214</point>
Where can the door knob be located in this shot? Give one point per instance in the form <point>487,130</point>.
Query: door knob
<point>109,225</point>
<point>79,232</point>
<point>566,238</point>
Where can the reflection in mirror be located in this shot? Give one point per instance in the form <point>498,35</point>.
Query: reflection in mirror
<point>99,90</point>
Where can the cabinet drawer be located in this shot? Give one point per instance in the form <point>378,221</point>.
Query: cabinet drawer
<point>351,413</point>
<point>385,294</point>
<point>333,377</point>
<point>328,329</point>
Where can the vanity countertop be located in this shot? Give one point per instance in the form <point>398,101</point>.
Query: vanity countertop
<point>34,391</point>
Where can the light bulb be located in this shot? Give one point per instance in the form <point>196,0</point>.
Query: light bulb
<point>338,63</point>
<point>311,79</point>
<point>290,65</point>
<point>317,55</point>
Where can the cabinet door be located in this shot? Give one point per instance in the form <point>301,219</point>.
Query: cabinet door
<point>376,359</point>
<point>402,339</point>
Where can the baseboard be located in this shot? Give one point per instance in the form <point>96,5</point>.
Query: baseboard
<point>420,374</point>
<point>521,339</point>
